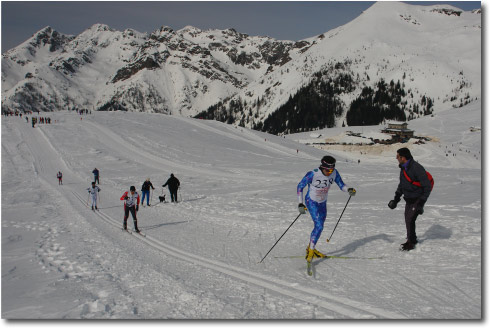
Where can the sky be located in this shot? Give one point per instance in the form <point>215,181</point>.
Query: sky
<point>282,20</point>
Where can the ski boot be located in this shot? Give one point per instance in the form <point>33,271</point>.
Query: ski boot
<point>309,254</point>
<point>408,246</point>
<point>316,253</point>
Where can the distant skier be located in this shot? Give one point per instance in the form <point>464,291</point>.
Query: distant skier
<point>173,185</point>
<point>415,195</point>
<point>93,192</point>
<point>319,181</point>
<point>131,204</point>
<point>60,178</point>
<point>96,175</point>
<point>145,191</point>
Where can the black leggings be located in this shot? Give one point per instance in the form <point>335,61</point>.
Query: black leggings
<point>131,209</point>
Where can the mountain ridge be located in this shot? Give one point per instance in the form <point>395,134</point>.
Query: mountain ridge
<point>191,71</point>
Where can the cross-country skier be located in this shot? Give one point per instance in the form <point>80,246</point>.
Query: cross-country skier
<point>173,185</point>
<point>131,204</point>
<point>93,191</point>
<point>145,191</point>
<point>60,178</point>
<point>319,181</point>
<point>415,195</point>
<point>96,175</point>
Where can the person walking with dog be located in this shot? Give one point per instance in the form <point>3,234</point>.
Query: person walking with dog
<point>131,205</point>
<point>319,182</point>
<point>416,187</point>
<point>173,185</point>
<point>93,191</point>
<point>145,191</point>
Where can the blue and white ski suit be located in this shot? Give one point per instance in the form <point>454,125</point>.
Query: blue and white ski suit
<point>316,197</point>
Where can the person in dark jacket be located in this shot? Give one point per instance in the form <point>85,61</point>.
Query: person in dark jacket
<point>414,196</point>
<point>145,191</point>
<point>96,175</point>
<point>173,185</point>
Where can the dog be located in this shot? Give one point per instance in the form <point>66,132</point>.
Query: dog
<point>162,198</point>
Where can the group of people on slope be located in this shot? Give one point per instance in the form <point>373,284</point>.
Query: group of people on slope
<point>415,185</point>
<point>94,190</point>
<point>131,198</point>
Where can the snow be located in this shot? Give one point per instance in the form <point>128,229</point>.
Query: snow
<point>383,42</point>
<point>430,53</point>
<point>200,257</point>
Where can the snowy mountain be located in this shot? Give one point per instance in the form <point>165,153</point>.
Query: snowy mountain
<point>434,52</point>
<point>199,259</point>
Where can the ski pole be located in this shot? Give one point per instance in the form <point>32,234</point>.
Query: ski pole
<point>328,240</point>
<point>280,238</point>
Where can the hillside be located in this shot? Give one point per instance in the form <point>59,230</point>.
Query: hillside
<point>433,52</point>
<point>199,258</point>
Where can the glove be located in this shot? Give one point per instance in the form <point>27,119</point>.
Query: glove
<point>351,191</point>
<point>126,198</point>
<point>392,204</point>
<point>137,208</point>
<point>302,208</point>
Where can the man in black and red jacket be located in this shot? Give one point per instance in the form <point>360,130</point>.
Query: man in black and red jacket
<point>415,187</point>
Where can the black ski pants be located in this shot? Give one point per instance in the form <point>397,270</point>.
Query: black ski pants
<point>411,214</point>
<point>173,195</point>
<point>127,210</point>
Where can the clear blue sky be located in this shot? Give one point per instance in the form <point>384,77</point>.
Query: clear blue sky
<point>283,20</point>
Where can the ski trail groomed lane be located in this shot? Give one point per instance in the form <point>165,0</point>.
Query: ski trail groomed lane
<point>345,307</point>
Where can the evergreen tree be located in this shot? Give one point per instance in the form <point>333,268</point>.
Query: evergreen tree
<point>374,106</point>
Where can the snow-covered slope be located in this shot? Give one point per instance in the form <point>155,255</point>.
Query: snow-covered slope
<point>238,195</point>
<point>434,51</point>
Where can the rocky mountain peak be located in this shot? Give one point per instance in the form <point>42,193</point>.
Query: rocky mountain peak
<point>50,38</point>
<point>424,54</point>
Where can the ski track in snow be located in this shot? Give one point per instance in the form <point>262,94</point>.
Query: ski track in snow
<point>96,270</point>
<point>345,307</point>
<point>51,254</point>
